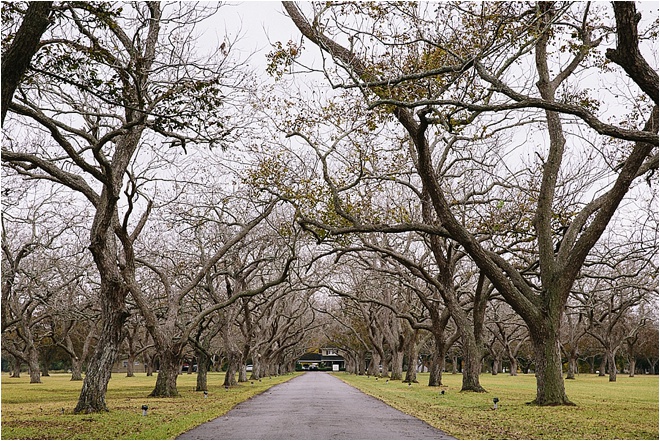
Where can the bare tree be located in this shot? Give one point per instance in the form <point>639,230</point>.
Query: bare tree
<point>447,63</point>
<point>574,329</point>
<point>121,73</point>
<point>36,241</point>
<point>171,334</point>
<point>73,321</point>
<point>508,330</point>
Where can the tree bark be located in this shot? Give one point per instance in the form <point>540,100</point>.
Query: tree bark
<point>627,54</point>
<point>471,355</point>
<point>130,366</point>
<point>233,360</point>
<point>16,368</point>
<point>242,373</point>
<point>76,369</point>
<point>373,364</point>
<point>149,364</point>
<point>170,364</point>
<point>632,366</point>
<point>397,365</point>
<point>611,362</point>
<point>44,368</point>
<point>256,367</point>
<point>17,57</point>
<point>361,362</point>
<point>497,361</point>
<point>202,370</point>
<point>33,365</point>
<point>603,366</point>
<point>438,359</point>
<point>95,385</point>
<point>435,370</point>
<point>549,379</point>
<point>412,354</point>
<point>513,361</point>
<point>572,365</point>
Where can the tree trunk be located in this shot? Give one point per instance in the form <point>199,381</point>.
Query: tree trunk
<point>44,369</point>
<point>15,367</point>
<point>549,379</point>
<point>350,366</point>
<point>454,364</point>
<point>256,366</point>
<point>387,364</point>
<point>632,366</point>
<point>76,369</point>
<point>496,365</point>
<point>470,343</point>
<point>592,364</point>
<point>44,362</point>
<point>412,354</point>
<point>435,370</point>
<point>33,365</point>
<point>471,359</point>
<point>438,360</point>
<point>202,370</point>
<point>380,371</point>
<point>397,365</point>
<point>471,371</point>
<point>242,373</point>
<point>130,366</point>
<point>603,365</point>
<point>572,365</point>
<point>373,365</point>
<point>264,368</point>
<point>113,294</point>
<point>95,385</point>
<point>233,359</point>
<point>170,363</point>
<point>513,361</point>
<point>149,365</point>
<point>16,59</point>
<point>611,362</point>
<point>361,362</point>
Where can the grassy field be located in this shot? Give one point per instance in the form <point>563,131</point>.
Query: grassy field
<point>34,411</point>
<point>626,409</point>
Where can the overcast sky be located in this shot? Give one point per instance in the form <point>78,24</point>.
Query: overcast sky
<point>258,24</point>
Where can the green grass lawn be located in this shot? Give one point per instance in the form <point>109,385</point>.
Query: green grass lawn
<point>34,411</point>
<point>626,409</point>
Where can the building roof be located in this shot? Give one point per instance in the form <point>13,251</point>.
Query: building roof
<point>312,357</point>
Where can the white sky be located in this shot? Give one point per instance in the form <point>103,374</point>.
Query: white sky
<point>257,24</point>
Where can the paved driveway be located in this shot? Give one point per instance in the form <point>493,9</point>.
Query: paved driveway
<point>315,405</point>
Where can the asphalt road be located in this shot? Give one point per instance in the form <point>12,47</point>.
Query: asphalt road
<point>315,405</point>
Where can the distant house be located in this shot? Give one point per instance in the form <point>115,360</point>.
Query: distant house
<point>327,359</point>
